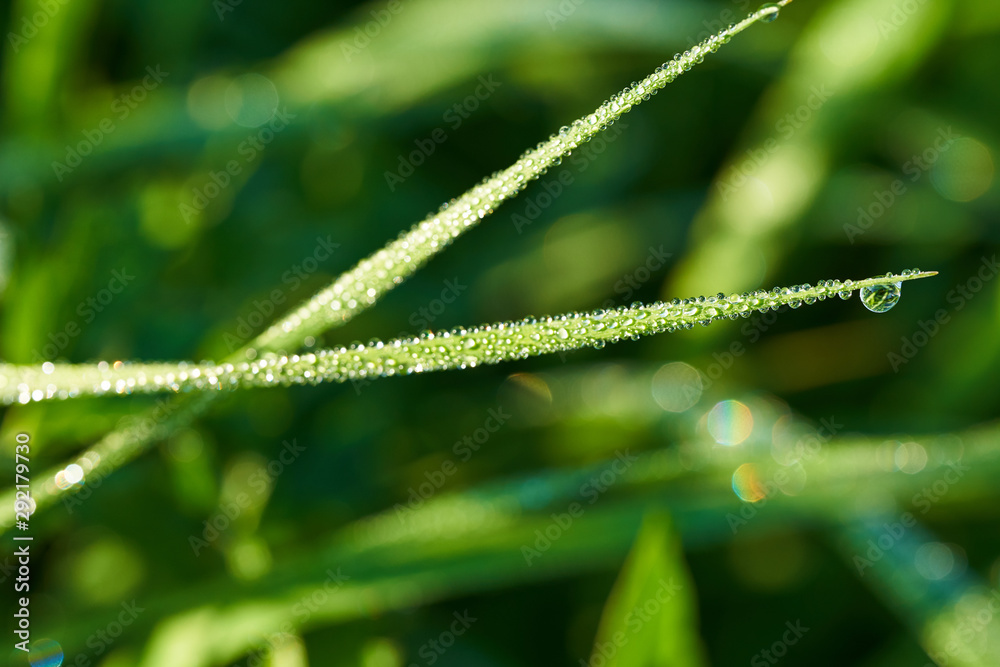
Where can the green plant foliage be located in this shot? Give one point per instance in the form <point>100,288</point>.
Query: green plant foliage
<point>456,349</point>
<point>651,617</point>
<point>290,501</point>
<point>360,287</point>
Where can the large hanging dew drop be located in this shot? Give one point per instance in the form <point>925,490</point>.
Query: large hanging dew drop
<point>880,298</point>
<point>772,12</point>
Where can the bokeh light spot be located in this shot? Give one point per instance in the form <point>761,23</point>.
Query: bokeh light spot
<point>186,445</point>
<point>45,653</point>
<point>103,568</point>
<point>730,423</point>
<point>74,473</point>
<point>934,561</point>
<point>747,484</point>
<point>964,171</point>
<point>677,387</point>
<point>206,102</point>
<point>251,100</point>
<point>792,481</point>
<point>910,458</point>
<point>69,476</point>
<point>249,559</point>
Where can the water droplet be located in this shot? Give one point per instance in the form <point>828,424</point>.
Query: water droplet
<point>880,298</point>
<point>772,14</point>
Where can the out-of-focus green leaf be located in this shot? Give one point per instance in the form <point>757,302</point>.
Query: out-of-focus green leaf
<point>651,616</point>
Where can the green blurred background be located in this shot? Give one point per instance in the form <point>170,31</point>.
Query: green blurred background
<point>174,175</point>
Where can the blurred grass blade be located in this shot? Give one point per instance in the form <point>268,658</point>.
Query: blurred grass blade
<point>651,616</point>
<point>950,611</point>
<point>460,543</point>
<point>743,219</point>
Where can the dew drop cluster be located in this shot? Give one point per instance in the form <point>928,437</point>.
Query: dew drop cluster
<point>432,351</point>
<point>365,283</point>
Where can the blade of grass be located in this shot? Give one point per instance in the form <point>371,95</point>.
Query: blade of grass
<point>456,349</point>
<point>360,287</point>
<point>651,616</point>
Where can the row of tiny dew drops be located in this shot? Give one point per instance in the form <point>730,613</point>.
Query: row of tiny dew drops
<point>361,286</point>
<point>456,349</point>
